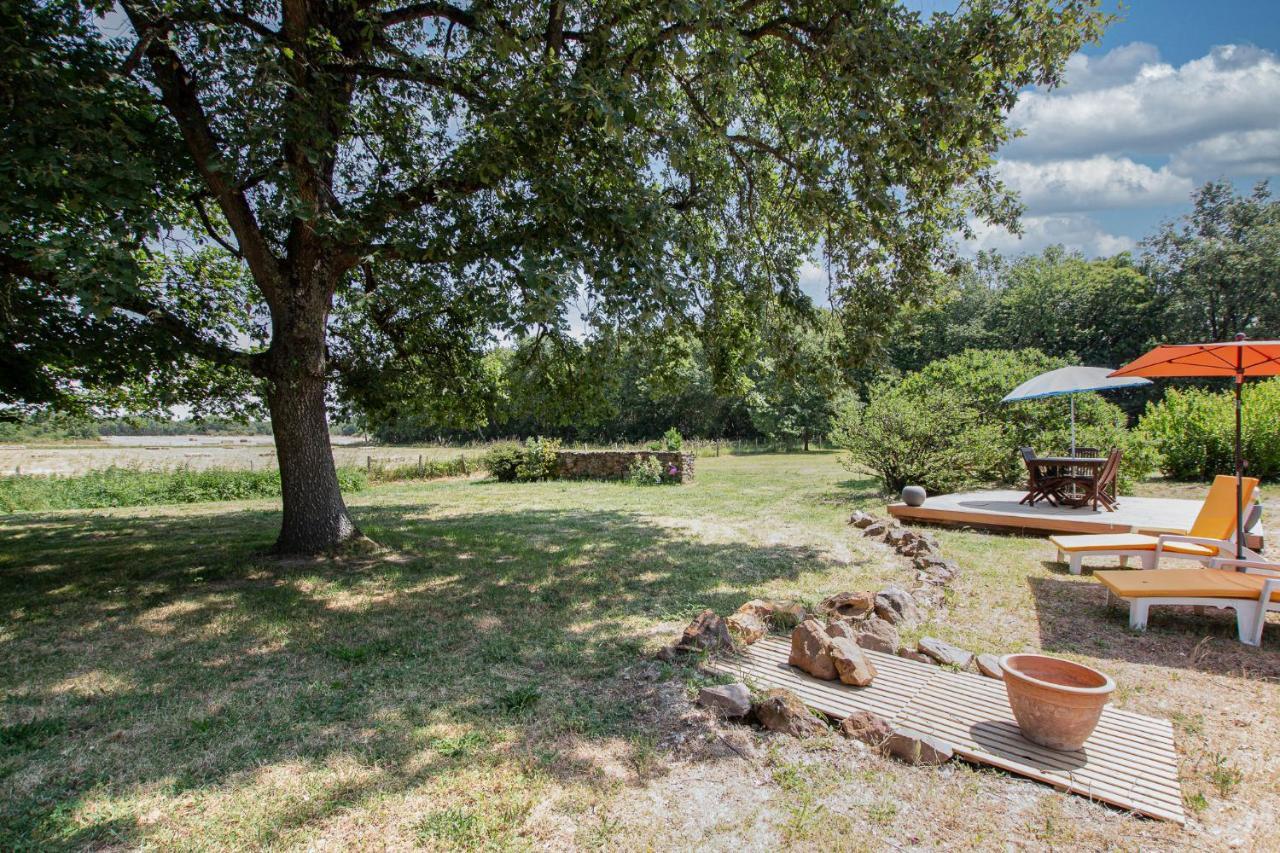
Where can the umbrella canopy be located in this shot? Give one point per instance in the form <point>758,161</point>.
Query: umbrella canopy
<point>1238,359</point>
<point>1071,380</point>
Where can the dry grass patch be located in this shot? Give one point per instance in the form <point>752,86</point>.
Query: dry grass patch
<point>478,682</point>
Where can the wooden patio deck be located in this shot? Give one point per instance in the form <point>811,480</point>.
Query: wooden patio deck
<point>1000,509</point>
<point>1129,761</point>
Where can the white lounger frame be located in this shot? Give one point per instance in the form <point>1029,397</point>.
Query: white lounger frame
<point>1251,614</point>
<point>1151,558</point>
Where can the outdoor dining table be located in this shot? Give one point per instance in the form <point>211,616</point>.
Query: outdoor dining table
<point>1083,466</point>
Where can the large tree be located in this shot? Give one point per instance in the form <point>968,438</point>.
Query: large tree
<point>398,183</point>
<point>1218,267</point>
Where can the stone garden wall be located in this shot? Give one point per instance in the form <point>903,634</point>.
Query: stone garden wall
<point>614,464</point>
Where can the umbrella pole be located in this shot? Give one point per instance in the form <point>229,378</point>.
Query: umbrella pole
<point>1073,423</point>
<point>1239,477</point>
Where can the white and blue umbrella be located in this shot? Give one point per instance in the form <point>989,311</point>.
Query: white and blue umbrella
<point>1070,381</point>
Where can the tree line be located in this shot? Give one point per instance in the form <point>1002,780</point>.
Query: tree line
<point>1203,277</point>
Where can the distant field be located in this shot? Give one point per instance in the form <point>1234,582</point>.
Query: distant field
<point>197,452</point>
<point>244,452</point>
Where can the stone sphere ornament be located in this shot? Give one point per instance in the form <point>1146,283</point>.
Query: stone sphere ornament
<point>913,495</point>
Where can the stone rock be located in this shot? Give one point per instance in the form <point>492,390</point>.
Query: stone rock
<point>896,537</point>
<point>877,635</point>
<point>706,633</point>
<point>811,650</point>
<point>849,605</point>
<point>728,700</point>
<point>667,653</point>
<point>915,747</point>
<point>783,615</point>
<point>938,570</point>
<point>876,528</point>
<point>787,615</point>
<point>841,628</point>
<point>861,519</point>
<point>896,606</point>
<point>852,665</point>
<point>868,727</point>
<point>780,710</point>
<point>746,627</point>
<point>945,653</point>
<point>911,654</point>
<point>989,665</point>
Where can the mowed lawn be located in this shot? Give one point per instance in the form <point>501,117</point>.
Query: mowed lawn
<point>488,680</point>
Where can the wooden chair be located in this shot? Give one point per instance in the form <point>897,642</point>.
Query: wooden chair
<point>1039,484</point>
<point>1099,490</point>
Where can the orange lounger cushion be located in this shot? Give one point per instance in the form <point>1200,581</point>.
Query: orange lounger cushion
<point>1111,542</point>
<point>1184,583</point>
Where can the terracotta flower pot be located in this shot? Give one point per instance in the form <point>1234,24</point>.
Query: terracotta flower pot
<point>1057,703</point>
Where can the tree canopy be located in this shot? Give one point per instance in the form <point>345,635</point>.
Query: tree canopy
<point>355,198</point>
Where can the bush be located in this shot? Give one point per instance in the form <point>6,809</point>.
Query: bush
<point>503,462</point>
<point>130,487</point>
<point>536,460</point>
<point>539,459</point>
<point>672,439</point>
<point>645,471</point>
<point>944,427</point>
<point>1194,431</point>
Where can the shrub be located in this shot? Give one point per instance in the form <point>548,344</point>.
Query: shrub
<point>1194,431</point>
<point>672,439</point>
<point>943,427</point>
<point>503,462</point>
<point>539,459</point>
<point>535,460</point>
<point>645,471</point>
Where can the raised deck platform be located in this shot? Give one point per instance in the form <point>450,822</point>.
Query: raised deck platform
<point>1000,509</point>
<point>1128,762</point>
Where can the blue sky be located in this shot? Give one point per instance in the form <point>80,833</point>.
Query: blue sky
<point>1177,93</point>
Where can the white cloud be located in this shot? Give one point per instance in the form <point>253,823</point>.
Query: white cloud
<point>1250,153</point>
<point>1157,109</point>
<point>1075,231</point>
<point>1120,65</point>
<point>1092,183</point>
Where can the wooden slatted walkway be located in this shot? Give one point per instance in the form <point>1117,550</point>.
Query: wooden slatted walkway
<point>1129,761</point>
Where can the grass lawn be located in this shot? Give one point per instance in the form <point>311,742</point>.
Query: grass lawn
<point>488,681</point>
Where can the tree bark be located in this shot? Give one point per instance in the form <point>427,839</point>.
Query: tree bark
<point>315,519</point>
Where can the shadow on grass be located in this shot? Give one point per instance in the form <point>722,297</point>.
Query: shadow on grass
<point>1074,617</point>
<point>167,653</point>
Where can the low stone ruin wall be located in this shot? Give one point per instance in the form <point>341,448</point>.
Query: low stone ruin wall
<point>614,464</point>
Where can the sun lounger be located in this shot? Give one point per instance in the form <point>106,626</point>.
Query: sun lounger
<point>1250,593</point>
<point>1212,534</point>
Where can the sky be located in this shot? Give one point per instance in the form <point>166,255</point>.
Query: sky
<point>1178,92</point>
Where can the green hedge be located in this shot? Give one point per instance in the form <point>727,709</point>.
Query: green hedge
<point>1194,431</point>
<point>943,427</point>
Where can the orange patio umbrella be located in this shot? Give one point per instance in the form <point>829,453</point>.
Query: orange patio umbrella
<point>1238,359</point>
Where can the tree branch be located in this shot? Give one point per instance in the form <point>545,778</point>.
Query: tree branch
<point>164,320</point>
<point>208,227</point>
<point>412,75</point>
<point>178,93</point>
<point>418,11</point>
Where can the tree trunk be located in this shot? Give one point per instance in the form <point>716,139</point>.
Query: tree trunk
<point>315,520</point>
<point>315,517</point>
